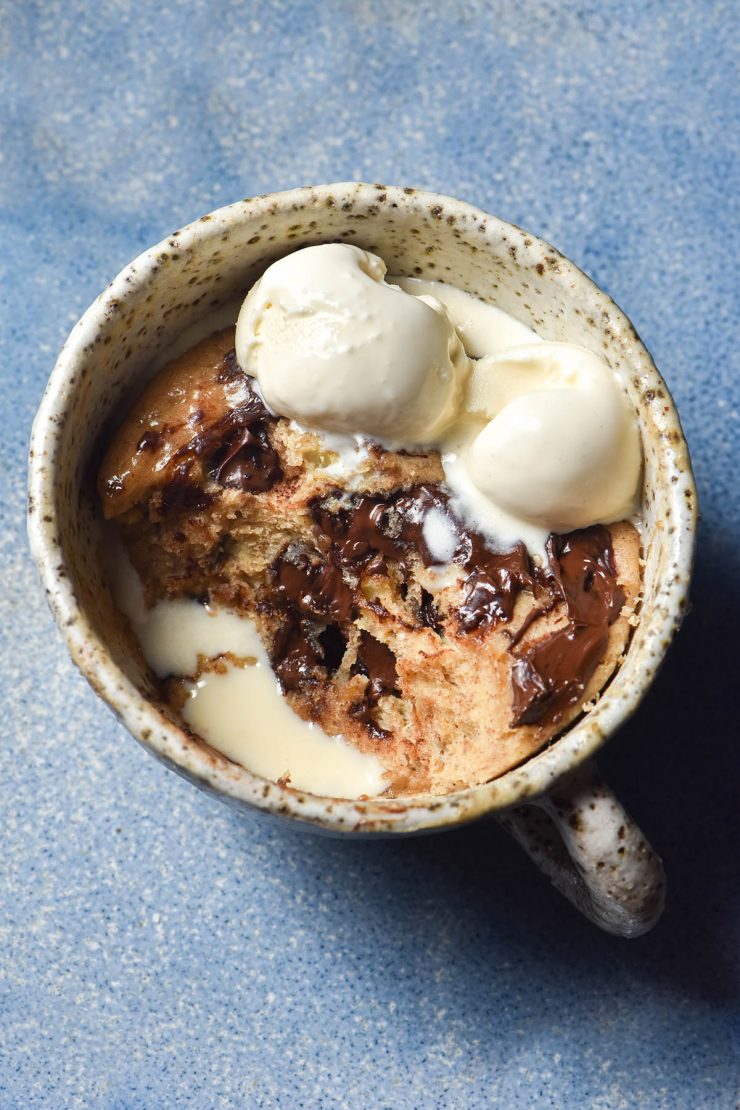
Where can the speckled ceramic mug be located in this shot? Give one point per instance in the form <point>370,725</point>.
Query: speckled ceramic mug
<point>554,803</point>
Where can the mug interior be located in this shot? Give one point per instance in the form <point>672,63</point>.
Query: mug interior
<point>190,277</point>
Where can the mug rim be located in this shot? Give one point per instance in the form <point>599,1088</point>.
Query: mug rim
<point>172,744</point>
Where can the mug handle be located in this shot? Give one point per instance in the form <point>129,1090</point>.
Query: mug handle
<point>593,852</point>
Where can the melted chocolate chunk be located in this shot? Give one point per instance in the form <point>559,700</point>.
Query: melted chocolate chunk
<point>376,566</point>
<point>377,662</point>
<point>583,565</point>
<point>553,674</point>
<point>355,533</point>
<point>182,491</point>
<point>297,655</point>
<point>230,370</point>
<point>428,613</point>
<point>311,585</point>
<point>483,604</point>
<point>237,448</point>
<point>371,530</point>
<point>386,526</point>
<point>493,585</point>
<point>247,462</point>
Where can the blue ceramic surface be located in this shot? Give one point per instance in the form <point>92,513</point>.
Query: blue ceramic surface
<point>158,951</point>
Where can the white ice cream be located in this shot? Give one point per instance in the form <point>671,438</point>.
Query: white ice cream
<point>535,437</point>
<point>335,347</point>
<point>483,328</point>
<point>562,449</point>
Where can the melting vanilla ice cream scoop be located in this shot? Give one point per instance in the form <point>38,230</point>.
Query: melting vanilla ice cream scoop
<point>335,347</point>
<point>535,437</point>
<point>562,450</point>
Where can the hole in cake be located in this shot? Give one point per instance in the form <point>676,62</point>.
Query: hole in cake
<point>428,613</point>
<point>334,644</point>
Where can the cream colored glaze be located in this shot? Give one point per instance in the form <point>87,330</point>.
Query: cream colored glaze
<point>243,714</point>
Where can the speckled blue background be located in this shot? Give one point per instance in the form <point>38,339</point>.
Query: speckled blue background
<point>155,950</point>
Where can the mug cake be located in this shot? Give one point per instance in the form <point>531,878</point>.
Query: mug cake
<point>379,538</point>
